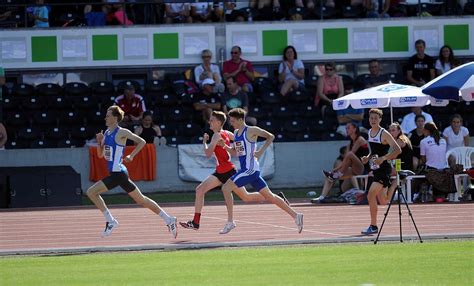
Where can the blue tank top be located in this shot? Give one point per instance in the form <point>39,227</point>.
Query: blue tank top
<point>113,152</point>
<point>245,150</point>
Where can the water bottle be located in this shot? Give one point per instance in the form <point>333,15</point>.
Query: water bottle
<point>424,193</point>
<point>311,194</point>
<point>372,164</point>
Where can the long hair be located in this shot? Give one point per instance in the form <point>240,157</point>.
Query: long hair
<point>401,135</point>
<point>450,58</point>
<point>149,113</point>
<point>434,132</point>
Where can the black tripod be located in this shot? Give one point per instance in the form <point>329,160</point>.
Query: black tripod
<point>401,175</point>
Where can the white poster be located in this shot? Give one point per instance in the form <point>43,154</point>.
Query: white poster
<point>13,49</point>
<point>365,40</point>
<point>74,48</point>
<point>305,41</point>
<point>247,41</point>
<point>195,43</point>
<point>194,166</point>
<point>135,46</point>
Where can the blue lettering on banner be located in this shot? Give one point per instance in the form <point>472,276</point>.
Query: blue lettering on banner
<point>392,87</point>
<point>340,103</point>
<point>368,101</point>
<point>408,99</point>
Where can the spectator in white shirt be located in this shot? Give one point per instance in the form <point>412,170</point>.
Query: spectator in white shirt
<point>208,70</point>
<point>456,135</point>
<point>177,13</point>
<point>408,122</point>
<point>433,148</point>
<point>445,61</point>
<point>290,71</point>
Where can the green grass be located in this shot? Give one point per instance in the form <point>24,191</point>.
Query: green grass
<point>412,263</point>
<point>173,197</point>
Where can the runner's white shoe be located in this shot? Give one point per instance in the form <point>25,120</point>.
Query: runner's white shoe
<point>173,227</point>
<point>109,227</point>
<point>299,222</point>
<point>228,227</point>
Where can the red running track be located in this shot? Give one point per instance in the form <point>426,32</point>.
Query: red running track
<point>68,230</point>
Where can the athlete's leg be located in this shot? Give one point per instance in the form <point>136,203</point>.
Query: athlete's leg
<point>94,195</point>
<point>350,161</point>
<point>326,188</point>
<point>249,197</point>
<point>205,186</point>
<point>374,189</point>
<point>276,200</point>
<point>227,189</point>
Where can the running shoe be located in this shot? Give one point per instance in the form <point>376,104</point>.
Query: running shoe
<point>329,175</point>
<point>282,195</point>
<point>109,227</point>
<point>318,200</point>
<point>372,229</point>
<point>172,227</point>
<point>190,225</point>
<point>299,222</point>
<point>228,227</point>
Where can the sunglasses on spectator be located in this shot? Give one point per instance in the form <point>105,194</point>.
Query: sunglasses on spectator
<point>234,53</point>
<point>204,57</point>
<point>329,69</point>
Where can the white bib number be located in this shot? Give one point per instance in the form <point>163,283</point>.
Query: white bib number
<point>239,148</point>
<point>108,153</point>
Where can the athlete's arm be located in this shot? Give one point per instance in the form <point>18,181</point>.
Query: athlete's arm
<point>135,138</point>
<point>254,132</point>
<point>209,150</point>
<point>100,144</point>
<point>394,147</point>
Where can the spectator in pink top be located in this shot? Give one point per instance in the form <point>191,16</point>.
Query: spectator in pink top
<point>240,69</point>
<point>330,87</point>
<point>121,16</point>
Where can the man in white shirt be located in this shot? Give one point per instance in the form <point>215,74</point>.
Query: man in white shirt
<point>408,123</point>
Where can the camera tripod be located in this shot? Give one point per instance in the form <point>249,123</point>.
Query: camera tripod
<point>401,175</point>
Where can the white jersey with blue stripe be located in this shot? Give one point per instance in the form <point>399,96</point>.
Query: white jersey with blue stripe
<point>113,152</point>
<point>245,151</point>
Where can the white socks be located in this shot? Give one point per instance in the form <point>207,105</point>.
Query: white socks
<point>337,175</point>
<point>165,217</point>
<point>108,216</point>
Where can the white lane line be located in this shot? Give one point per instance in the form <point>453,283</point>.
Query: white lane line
<point>274,225</point>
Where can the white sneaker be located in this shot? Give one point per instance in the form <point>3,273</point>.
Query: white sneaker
<point>109,227</point>
<point>228,227</point>
<point>299,222</point>
<point>173,227</point>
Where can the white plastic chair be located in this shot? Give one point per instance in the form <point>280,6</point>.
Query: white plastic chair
<point>463,157</point>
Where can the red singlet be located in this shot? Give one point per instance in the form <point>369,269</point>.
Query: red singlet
<point>224,164</point>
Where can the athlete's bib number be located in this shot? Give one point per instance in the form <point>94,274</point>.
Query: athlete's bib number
<point>108,153</point>
<point>240,148</point>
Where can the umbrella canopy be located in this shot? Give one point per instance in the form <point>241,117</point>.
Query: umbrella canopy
<point>467,90</point>
<point>386,95</point>
<point>448,85</point>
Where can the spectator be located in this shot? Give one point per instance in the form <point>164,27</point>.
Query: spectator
<point>375,77</point>
<point>290,72</point>
<point>208,70</point>
<point>239,68</point>
<point>420,68</point>
<point>372,9</point>
<point>147,129</point>
<point>456,135</point>
<point>206,101</point>
<point>415,136</point>
<point>408,122</point>
<point>351,164</point>
<point>404,142</point>
<point>132,104</point>
<point>177,13</point>
<point>120,15</point>
<point>3,136</point>
<point>433,148</point>
<point>39,14</point>
<point>201,12</point>
<point>330,87</point>
<point>268,9</point>
<point>355,116</point>
<point>234,98</point>
<point>233,12</point>
<point>392,8</point>
<point>445,61</point>
<point>95,15</point>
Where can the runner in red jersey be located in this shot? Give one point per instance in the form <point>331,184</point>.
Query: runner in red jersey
<point>224,170</point>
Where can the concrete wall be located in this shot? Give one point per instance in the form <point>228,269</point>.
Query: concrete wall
<point>297,164</point>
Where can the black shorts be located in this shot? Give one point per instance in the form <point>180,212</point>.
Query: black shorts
<point>224,176</point>
<point>382,174</point>
<point>119,179</point>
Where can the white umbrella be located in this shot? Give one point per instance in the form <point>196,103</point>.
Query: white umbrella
<point>467,90</point>
<point>386,95</point>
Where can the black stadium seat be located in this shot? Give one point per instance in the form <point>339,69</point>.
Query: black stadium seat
<point>45,117</point>
<point>16,144</point>
<point>168,129</point>
<point>102,88</point>
<point>58,102</point>
<point>56,133</point>
<point>77,89</point>
<point>49,89</point>
<point>189,129</point>
<point>33,102</point>
<point>165,99</point>
<point>283,112</point>
<point>70,117</point>
<point>23,89</point>
<point>69,143</point>
<point>42,143</point>
<point>123,84</point>
<point>295,125</point>
<point>270,97</point>
<point>17,119</point>
<point>156,86</point>
<point>83,132</point>
<point>29,133</point>
<point>11,103</point>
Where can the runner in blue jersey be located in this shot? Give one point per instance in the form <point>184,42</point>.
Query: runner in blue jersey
<point>383,148</point>
<point>111,145</point>
<point>245,139</point>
